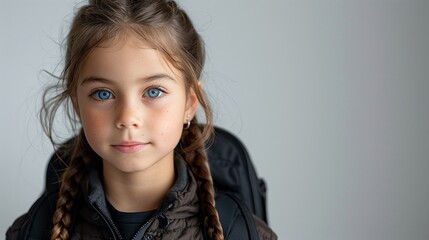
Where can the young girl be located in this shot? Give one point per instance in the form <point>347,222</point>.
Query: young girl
<point>138,168</point>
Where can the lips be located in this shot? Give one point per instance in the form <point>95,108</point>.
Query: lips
<point>130,147</point>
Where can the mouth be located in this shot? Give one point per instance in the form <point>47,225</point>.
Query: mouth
<point>130,147</point>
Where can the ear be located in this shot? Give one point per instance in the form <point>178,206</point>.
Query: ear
<point>192,104</point>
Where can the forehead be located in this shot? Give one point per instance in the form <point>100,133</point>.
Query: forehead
<point>125,37</point>
<point>127,57</point>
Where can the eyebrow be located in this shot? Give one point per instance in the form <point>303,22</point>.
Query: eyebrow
<point>95,79</point>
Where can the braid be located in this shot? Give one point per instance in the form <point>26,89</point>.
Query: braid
<point>70,189</point>
<point>195,155</point>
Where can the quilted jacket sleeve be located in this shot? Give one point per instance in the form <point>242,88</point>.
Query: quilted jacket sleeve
<point>264,232</point>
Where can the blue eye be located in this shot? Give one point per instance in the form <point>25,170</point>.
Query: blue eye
<point>102,95</point>
<point>153,93</point>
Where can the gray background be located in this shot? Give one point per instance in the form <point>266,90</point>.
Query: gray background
<point>330,97</point>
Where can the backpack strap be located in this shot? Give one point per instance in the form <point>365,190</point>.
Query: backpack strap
<point>235,218</point>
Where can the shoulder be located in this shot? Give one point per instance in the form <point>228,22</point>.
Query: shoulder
<point>238,222</point>
<point>14,230</point>
<point>37,222</point>
<point>264,231</point>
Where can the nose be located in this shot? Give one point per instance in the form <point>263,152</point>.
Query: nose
<point>129,117</point>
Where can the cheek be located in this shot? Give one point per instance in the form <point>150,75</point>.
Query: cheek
<point>168,124</point>
<point>94,124</point>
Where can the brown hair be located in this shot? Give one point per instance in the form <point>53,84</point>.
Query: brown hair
<point>167,27</point>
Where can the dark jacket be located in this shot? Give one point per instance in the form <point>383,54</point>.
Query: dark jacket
<point>177,217</point>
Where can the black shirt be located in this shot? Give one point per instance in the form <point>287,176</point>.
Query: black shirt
<point>128,223</point>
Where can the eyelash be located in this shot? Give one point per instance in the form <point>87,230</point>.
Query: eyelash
<point>160,94</point>
<point>111,96</point>
<point>98,91</point>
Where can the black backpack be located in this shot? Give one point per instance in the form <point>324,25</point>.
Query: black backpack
<point>236,183</point>
<point>237,186</point>
<point>233,172</point>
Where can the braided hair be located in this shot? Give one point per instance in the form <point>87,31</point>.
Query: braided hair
<point>163,24</point>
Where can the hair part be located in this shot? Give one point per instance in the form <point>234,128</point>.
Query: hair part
<point>168,29</point>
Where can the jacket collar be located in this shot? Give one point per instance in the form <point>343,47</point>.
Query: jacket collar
<point>181,198</point>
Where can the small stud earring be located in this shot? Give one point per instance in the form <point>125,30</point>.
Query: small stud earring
<point>188,118</point>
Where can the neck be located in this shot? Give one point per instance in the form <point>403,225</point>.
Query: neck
<point>138,191</point>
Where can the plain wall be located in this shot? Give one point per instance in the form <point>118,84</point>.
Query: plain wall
<point>330,97</point>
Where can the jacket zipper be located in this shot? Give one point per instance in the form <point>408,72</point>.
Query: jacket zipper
<point>144,227</point>
<point>112,227</point>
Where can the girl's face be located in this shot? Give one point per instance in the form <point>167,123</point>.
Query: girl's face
<point>132,105</point>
